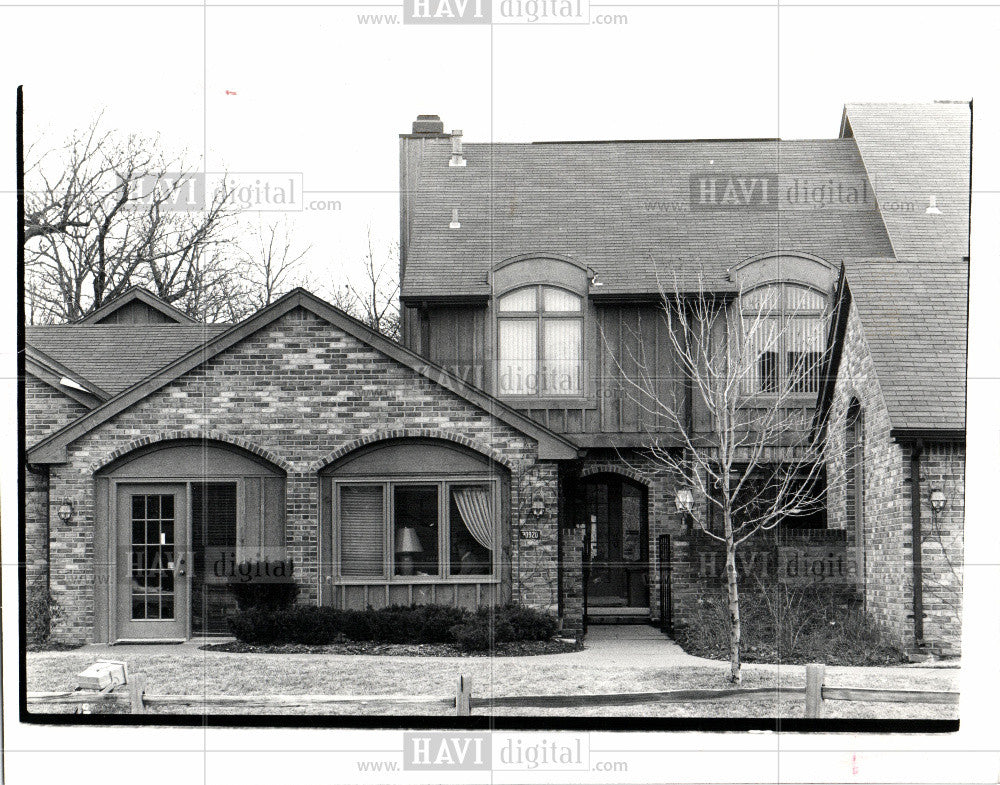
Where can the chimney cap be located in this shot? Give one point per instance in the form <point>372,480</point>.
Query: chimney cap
<point>428,124</point>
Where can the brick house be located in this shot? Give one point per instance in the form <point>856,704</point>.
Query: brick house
<point>495,454</point>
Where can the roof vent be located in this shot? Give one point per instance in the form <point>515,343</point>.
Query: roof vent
<point>428,124</point>
<point>457,159</point>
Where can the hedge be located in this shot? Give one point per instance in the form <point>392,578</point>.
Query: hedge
<point>319,626</point>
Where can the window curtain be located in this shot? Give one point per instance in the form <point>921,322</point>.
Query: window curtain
<point>563,355</point>
<point>518,354</point>
<point>477,515</point>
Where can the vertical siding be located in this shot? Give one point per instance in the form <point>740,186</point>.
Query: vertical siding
<point>637,371</point>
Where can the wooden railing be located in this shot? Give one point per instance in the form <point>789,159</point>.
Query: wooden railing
<point>815,693</point>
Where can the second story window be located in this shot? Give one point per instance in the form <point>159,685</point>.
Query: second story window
<point>540,342</point>
<point>786,339</point>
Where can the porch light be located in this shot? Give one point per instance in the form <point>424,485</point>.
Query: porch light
<point>938,500</point>
<point>65,511</point>
<point>685,500</point>
<point>537,507</point>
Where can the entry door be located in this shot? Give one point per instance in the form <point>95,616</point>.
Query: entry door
<point>152,561</point>
<point>618,552</point>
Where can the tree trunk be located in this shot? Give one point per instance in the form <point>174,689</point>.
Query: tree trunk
<point>734,604</point>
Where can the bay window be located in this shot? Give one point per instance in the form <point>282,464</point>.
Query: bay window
<point>416,530</point>
<point>540,342</point>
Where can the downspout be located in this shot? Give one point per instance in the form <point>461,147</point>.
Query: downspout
<point>918,567</point>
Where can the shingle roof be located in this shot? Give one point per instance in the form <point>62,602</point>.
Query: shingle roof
<point>115,356</point>
<point>623,208</point>
<point>914,316</point>
<point>52,449</point>
<point>913,152</point>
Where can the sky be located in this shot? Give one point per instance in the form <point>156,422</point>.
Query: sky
<point>311,90</point>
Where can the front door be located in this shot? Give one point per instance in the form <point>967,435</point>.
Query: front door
<point>618,569</point>
<point>152,562</point>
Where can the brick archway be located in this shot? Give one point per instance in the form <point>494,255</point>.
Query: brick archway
<point>212,436</point>
<point>411,433</point>
<point>610,468</point>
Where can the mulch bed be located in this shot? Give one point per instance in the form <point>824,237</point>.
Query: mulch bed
<point>518,649</point>
<point>769,655</point>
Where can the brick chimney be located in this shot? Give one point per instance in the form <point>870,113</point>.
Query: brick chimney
<point>428,125</point>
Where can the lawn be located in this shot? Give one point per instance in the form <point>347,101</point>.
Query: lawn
<point>192,671</point>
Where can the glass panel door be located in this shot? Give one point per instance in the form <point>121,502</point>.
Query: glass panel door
<point>152,562</point>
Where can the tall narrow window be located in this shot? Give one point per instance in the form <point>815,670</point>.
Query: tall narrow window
<point>785,333</point>
<point>472,531</point>
<point>540,342</point>
<point>362,531</point>
<point>854,470</point>
<point>415,513</point>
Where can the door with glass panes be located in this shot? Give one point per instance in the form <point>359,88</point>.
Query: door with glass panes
<point>153,598</point>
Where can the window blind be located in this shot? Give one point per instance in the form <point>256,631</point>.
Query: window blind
<point>362,531</point>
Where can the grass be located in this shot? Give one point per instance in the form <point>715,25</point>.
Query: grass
<point>190,671</point>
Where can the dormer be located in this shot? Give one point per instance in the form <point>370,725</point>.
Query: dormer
<point>137,306</point>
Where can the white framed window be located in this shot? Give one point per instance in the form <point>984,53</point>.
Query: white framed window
<point>540,342</point>
<point>785,327</point>
<point>417,530</point>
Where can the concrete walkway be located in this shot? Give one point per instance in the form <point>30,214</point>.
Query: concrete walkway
<point>631,644</point>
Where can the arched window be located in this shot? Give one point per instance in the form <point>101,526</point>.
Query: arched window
<point>854,469</point>
<point>540,342</point>
<point>785,331</point>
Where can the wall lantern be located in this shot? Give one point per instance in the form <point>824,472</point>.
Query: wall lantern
<point>65,511</point>
<point>685,500</point>
<point>537,507</point>
<point>938,500</point>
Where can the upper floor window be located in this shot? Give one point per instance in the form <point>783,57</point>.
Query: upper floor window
<point>540,342</point>
<point>786,337</point>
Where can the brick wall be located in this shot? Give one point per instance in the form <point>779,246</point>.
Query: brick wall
<point>298,389</point>
<point>887,543</point>
<point>47,411</point>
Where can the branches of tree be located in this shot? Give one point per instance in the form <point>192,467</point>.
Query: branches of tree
<point>374,298</point>
<point>105,213</point>
<point>749,364</point>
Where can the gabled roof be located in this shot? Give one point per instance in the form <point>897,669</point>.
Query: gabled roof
<point>914,318</point>
<point>622,208</point>
<point>914,152</point>
<point>53,448</point>
<point>128,300</point>
<point>113,357</point>
<point>64,379</point>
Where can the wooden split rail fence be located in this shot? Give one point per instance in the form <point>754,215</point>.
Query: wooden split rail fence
<point>815,693</point>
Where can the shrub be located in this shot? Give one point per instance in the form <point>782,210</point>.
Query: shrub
<point>527,624</point>
<point>483,631</point>
<point>263,584</point>
<point>319,626</point>
<point>39,611</point>
<point>789,623</point>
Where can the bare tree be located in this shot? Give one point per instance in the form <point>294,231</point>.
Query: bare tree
<point>105,213</point>
<point>270,264</point>
<point>746,362</point>
<point>375,298</point>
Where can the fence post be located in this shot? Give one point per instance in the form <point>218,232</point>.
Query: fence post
<point>136,688</point>
<point>463,696</point>
<point>814,691</point>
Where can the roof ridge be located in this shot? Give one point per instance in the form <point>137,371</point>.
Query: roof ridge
<point>52,448</point>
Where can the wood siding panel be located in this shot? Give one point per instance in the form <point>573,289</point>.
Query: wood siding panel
<point>456,337</point>
<point>638,370</point>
